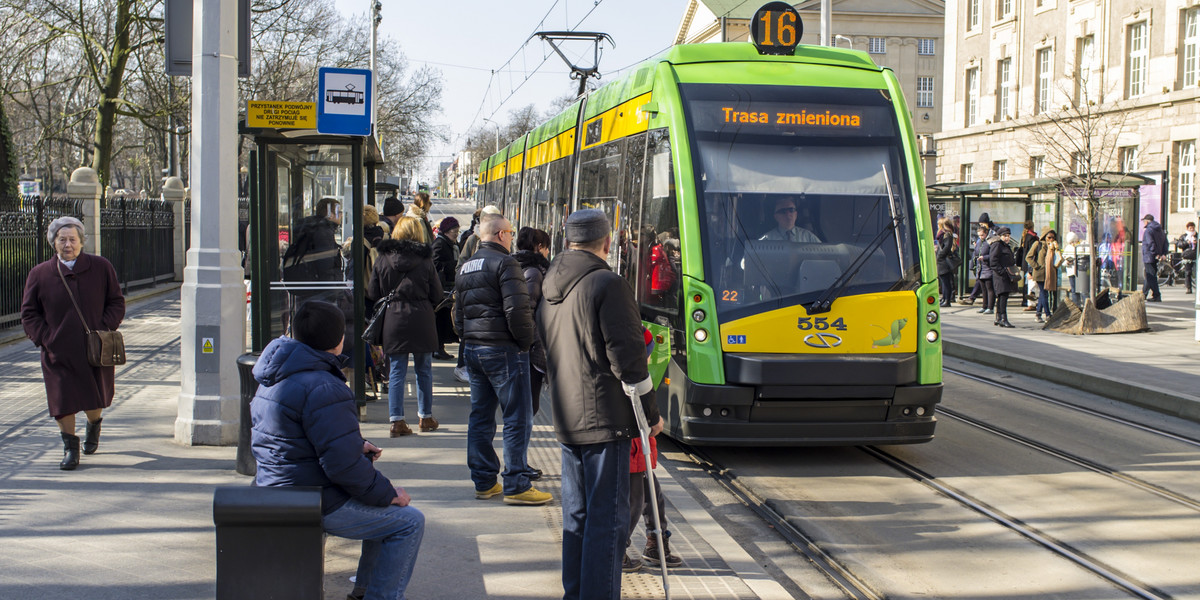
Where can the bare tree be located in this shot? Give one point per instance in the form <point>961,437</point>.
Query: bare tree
<point>1078,142</point>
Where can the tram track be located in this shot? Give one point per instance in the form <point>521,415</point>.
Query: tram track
<point>830,567</point>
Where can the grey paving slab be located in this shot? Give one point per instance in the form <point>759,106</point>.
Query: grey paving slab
<point>135,520</point>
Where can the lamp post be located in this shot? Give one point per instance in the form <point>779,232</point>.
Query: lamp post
<point>849,42</point>
<point>376,18</point>
<point>487,120</point>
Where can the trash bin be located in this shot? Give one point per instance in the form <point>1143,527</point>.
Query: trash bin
<point>245,459</point>
<point>270,543</point>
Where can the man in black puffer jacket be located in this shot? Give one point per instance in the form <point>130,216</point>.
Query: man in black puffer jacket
<point>596,355</point>
<point>493,317</point>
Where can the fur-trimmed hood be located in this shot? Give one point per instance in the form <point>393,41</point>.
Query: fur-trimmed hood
<point>417,249</point>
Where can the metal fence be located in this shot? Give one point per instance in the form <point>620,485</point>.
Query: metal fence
<point>137,237</point>
<point>23,244</point>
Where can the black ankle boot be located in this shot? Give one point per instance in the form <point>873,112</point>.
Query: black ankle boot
<point>91,442</point>
<point>70,452</point>
<point>1004,322</point>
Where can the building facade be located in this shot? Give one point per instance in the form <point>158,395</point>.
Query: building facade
<point>903,35</point>
<point>1016,70</point>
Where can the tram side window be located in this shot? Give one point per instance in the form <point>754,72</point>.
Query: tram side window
<point>512,198</point>
<point>600,184</point>
<point>533,187</point>
<point>558,198</point>
<point>659,286</point>
<point>628,243</point>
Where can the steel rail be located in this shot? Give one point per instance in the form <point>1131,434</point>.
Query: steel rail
<point>1047,542</point>
<point>1073,459</point>
<point>806,546</point>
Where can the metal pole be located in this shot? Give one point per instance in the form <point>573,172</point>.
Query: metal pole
<point>826,22</point>
<point>651,497</point>
<point>376,17</point>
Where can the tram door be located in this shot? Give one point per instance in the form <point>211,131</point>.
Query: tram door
<point>303,226</point>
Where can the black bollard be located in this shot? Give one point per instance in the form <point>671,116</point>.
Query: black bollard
<point>270,543</point>
<point>245,458</point>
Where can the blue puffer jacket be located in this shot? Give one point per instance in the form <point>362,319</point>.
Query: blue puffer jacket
<point>306,428</point>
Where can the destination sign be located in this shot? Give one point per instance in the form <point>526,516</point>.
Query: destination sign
<point>791,119</point>
<point>281,115</point>
<point>776,29</point>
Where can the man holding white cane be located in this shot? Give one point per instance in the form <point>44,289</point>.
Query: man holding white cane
<point>595,354</point>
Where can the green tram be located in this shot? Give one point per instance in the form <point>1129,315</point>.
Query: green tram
<point>770,214</point>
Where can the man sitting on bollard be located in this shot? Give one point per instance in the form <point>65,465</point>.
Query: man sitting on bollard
<point>306,434</point>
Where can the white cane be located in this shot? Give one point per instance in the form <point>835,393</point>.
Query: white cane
<point>651,497</point>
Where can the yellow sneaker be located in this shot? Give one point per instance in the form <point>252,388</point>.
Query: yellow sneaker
<point>529,497</point>
<point>488,493</point>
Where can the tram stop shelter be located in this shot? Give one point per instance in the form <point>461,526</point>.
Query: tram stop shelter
<point>1061,204</point>
<point>307,192</point>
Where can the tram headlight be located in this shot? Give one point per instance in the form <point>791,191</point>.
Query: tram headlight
<point>932,336</point>
<point>698,315</point>
<point>701,335</point>
<point>931,317</point>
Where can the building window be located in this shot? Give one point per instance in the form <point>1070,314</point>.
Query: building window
<point>967,172</point>
<point>1085,55</point>
<point>1191,47</point>
<point>972,15</point>
<point>1000,170</point>
<point>1079,163</point>
<point>1003,9</point>
<point>1003,89</point>
<point>1187,175</point>
<point>972,96</point>
<point>1129,159</point>
<point>1139,56</point>
<point>1044,75</point>
<point>926,46</point>
<point>1037,166</point>
<point>924,92</point>
<point>877,46</point>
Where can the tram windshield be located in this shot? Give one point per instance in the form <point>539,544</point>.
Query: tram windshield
<point>793,187</point>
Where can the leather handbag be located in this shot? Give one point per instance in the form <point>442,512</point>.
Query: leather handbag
<point>104,348</point>
<point>373,332</point>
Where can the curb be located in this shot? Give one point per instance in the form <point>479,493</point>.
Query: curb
<point>16,334</point>
<point>1157,399</point>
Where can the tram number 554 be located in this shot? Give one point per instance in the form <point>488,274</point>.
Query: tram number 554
<point>820,324</point>
<point>776,29</point>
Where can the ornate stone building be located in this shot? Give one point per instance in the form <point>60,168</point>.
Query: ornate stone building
<point>1012,66</point>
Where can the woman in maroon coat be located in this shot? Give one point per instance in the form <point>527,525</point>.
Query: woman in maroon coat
<point>50,320</point>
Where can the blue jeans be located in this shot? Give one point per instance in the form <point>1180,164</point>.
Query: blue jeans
<point>1043,301</point>
<point>423,361</point>
<point>595,504</point>
<point>499,378</point>
<point>391,537</point>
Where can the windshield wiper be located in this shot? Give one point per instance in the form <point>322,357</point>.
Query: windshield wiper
<point>825,301</point>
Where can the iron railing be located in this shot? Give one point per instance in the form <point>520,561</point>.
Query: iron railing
<point>23,244</point>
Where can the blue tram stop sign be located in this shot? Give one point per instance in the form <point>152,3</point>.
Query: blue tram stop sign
<point>344,101</point>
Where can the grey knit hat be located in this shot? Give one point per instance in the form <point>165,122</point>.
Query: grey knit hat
<point>587,225</point>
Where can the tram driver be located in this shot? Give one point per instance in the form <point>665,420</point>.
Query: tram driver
<point>787,230</point>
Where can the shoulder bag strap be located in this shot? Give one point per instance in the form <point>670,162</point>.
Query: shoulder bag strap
<point>58,264</point>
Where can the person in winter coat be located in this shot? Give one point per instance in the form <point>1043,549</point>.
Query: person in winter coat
<point>493,317</point>
<point>445,260</point>
<point>983,274</point>
<point>405,266</point>
<point>419,209</point>
<point>639,508</point>
<point>1041,259</point>
<point>305,434</point>
<point>373,234</point>
<point>947,260</point>
<point>596,354</point>
<point>471,244</point>
<point>50,319</point>
<point>1003,263</point>
<point>1187,249</point>
<point>1028,238</point>
<point>533,252</point>
<point>1154,246</point>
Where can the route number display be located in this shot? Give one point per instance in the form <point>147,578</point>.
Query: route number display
<point>776,29</point>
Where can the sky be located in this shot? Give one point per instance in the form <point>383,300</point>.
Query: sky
<point>466,40</point>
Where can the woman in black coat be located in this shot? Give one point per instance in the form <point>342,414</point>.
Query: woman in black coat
<point>1001,261</point>
<point>405,266</point>
<point>445,260</point>
<point>947,260</point>
<point>533,251</point>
